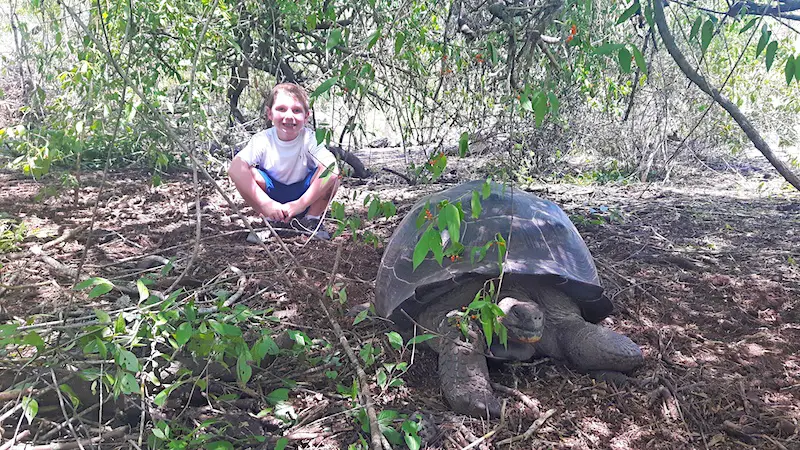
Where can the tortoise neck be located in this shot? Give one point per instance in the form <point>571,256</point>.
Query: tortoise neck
<point>558,306</point>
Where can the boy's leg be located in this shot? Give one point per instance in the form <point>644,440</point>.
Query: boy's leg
<point>330,186</point>
<point>257,175</point>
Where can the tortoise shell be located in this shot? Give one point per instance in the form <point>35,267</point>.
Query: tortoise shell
<point>541,242</point>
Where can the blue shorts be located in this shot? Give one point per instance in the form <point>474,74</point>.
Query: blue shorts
<point>285,193</point>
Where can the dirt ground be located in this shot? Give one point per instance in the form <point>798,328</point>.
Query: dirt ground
<point>704,275</point>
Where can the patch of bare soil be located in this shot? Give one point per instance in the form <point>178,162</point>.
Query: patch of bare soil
<point>704,278</point>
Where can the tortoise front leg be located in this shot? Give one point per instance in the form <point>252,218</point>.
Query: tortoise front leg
<point>463,373</point>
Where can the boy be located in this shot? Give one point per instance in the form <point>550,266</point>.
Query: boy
<point>278,172</point>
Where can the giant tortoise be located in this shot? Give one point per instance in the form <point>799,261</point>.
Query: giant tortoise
<point>550,293</point>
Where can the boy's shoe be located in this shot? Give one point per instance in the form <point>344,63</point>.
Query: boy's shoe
<point>311,227</point>
<point>253,239</point>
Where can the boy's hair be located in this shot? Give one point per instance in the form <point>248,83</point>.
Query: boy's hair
<point>295,91</point>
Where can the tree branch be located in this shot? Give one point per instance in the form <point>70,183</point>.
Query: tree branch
<point>731,108</point>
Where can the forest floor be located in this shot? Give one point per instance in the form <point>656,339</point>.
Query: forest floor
<point>704,276</point>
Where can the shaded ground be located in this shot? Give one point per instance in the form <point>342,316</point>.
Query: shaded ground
<point>704,278</point>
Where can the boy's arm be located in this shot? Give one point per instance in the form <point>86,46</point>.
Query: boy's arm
<point>253,195</point>
<point>317,188</point>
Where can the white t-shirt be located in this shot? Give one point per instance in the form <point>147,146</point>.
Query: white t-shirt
<point>286,162</point>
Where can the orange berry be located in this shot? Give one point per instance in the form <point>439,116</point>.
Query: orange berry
<point>574,30</point>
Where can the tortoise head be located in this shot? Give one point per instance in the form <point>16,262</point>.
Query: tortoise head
<point>524,320</point>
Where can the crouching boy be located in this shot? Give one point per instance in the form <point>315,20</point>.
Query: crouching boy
<point>278,172</point>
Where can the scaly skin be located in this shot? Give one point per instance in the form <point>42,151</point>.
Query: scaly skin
<point>565,335</point>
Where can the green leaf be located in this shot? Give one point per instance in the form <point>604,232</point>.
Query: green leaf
<point>639,58</point>
<point>73,397</point>
<point>624,57</point>
<point>281,444</point>
<point>86,283</point>
<point>395,340</point>
<point>797,68</point>
<point>420,339</point>
<point>277,396</point>
<point>749,25</point>
<point>628,13</point>
<point>183,333</point>
<point>225,329</point>
<point>399,40</point>
<point>221,445</point>
<point>30,408</point>
<point>539,108</point>
<point>102,316</point>
<point>706,34</point>
<point>243,369</point>
<point>763,40</point>
<point>486,190</point>
<point>119,324</point>
<point>103,287</point>
<point>695,27</point>
<point>128,384</point>
<point>450,219</point>
<point>381,378</point>
<point>525,102</point>
<point>606,49</point>
<point>463,144</point>
<point>770,56</point>
<point>435,242</point>
<point>648,15</point>
<point>475,205</point>
<point>421,249</point>
<point>334,39</point>
<point>144,293</point>
<point>492,51</point>
<point>324,87</point>
<point>127,361</point>
<point>790,69</point>
<point>486,323</point>
<point>35,340</point>
<point>373,38</point>
<point>373,209</point>
<point>360,317</point>
<point>554,103</point>
<point>265,346</point>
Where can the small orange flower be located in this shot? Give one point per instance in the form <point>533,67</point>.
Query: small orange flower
<point>428,214</point>
<point>574,30</point>
<point>479,57</point>
<point>474,317</point>
<point>569,38</point>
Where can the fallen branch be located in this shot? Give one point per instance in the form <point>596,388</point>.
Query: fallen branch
<point>115,433</point>
<point>366,396</point>
<point>529,402</point>
<point>68,272</point>
<point>531,430</point>
<point>68,234</point>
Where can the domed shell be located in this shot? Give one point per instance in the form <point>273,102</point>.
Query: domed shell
<point>541,241</point>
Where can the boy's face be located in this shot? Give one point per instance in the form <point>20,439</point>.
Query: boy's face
<point>288,116</point>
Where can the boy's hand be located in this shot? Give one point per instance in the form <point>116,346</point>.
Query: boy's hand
<point>273,211</point>
<point>292,209</point>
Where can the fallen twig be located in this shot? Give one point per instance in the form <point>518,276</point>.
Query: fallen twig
<point>529,402</point>
<point>531,430</point>
<point>366,397</point>
<point>68,234</point>
<point>115,433</point>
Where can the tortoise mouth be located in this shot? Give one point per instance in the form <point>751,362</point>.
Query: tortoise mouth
<point>525,335</point>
